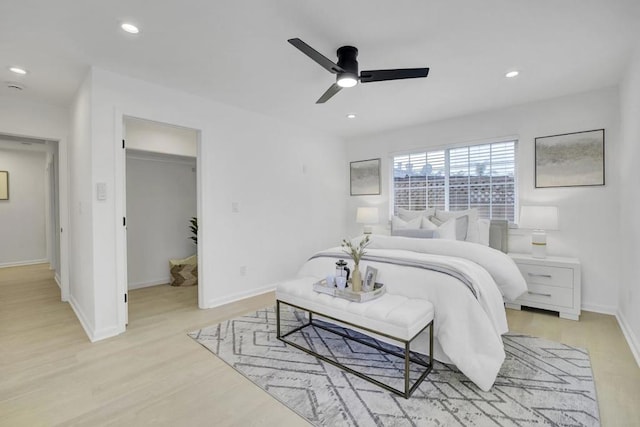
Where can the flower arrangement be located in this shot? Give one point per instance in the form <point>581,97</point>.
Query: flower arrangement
<point>355,252</point>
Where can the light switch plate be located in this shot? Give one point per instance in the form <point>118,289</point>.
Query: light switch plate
<point>101,190</point>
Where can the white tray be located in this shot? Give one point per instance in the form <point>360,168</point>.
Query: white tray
<point>322,287</point>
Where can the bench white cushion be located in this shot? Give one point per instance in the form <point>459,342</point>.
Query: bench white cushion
<point>394,315</point>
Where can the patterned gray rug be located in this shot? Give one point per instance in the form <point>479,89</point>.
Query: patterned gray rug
<point>541,382</point>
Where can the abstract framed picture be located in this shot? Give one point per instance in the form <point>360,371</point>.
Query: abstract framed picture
<point>365,177</point>
<point>4,185</point>
<point>570,160</point>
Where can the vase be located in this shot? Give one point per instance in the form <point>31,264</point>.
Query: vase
<point>356,280</point>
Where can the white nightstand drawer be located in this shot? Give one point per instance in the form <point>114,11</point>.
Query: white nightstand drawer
<point>547,275</point>
<point>552,295</point>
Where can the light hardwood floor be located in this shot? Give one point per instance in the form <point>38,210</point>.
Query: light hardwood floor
<point>50,374</point>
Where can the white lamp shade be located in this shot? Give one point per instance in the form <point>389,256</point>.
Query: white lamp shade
<point>539,217</point>
<point>368,215</point>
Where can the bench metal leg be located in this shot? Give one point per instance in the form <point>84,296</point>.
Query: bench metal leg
<point>408,390</point>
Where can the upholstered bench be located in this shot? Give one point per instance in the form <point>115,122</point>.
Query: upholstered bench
<point>391,316</point>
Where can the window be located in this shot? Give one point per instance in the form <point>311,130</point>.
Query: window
<point>476,176</point>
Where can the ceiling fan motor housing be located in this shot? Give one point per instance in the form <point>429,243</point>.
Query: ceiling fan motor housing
<point>347,60</point>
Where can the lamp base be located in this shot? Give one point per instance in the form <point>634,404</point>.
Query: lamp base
<point>368,229</point>
<point>539,244</point>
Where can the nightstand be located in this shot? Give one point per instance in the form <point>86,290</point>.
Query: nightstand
<point>553,282</point>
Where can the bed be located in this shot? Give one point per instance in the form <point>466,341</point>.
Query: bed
<point>466,282</point>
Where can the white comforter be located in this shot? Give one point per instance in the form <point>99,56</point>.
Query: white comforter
<point>466,330</point>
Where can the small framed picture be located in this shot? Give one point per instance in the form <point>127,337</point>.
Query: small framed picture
<point>365,177</point>
<point>370,276</point>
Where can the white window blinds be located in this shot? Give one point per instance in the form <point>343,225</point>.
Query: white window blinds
<point>477,176</point>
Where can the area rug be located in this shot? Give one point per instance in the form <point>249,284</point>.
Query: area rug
<point>541,383</point>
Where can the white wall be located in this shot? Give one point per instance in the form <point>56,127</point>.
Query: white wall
<point>586,230</point>
<point>161,198</point>
<point>160,138</point>
<point>22,217</point>
<point>289,185</point>
<point>629,295</point>
<point>82,293</point>
<point>49,122</point>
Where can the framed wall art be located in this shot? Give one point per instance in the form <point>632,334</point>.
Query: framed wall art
<point>365,177</point>
<point>570,159</point>
<point>4,185</point>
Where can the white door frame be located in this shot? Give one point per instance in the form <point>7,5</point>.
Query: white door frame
<point>120,200</point>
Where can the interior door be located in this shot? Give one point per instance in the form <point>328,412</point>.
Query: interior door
<point>124,229</point>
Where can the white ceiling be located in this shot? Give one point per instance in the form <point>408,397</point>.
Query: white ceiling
<point>236,52</point>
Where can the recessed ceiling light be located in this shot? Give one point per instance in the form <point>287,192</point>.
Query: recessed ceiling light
<point>511,74</point>
<point>130,28</point>
<point>351,116</point>
<point>18,70</point>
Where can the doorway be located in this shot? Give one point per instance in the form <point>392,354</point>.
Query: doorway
<point>30,216</point>
<point>160,200</point>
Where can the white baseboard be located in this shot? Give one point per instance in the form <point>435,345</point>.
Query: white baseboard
<point>84,322</point>
<point>105,333</point>
<point>632,339</point>
<point>56,277</point>
<point>93,335</point>
<point>21,263</point>
<point>602,309</point>
<point>138,285</point>
<point>216,302</point>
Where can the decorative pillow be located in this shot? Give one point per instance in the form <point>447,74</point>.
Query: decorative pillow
<point>472,230</point>
<point>406,214</point>
<point>462,227</point>
<point>419,233</point>
<point>436,221</point>
<point>484,226</point>
<point>447,230</point>
<point>454,229</point>
<point>399,224</point>
<point>427,224</point>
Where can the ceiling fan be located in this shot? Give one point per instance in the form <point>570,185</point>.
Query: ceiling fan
<point>347,69</point>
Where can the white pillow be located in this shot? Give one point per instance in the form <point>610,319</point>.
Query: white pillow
<point>406,214</point>
<point>400,224</point>
<point>447,230</point>
<point>483,231</point>
<point>428,225</point>
<point>472,231</point>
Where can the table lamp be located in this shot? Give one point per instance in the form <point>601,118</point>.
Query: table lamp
<point>539,219</point>
<point>367,216</point>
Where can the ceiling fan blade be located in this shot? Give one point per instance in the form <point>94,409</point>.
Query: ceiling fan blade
<point>324,62</point>
<point>333,89</point>
<point>403,73</point>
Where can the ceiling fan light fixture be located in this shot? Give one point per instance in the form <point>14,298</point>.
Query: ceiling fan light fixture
<point>347,80</point>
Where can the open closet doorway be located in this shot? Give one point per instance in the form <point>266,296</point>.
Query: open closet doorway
<point>160,207</point>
